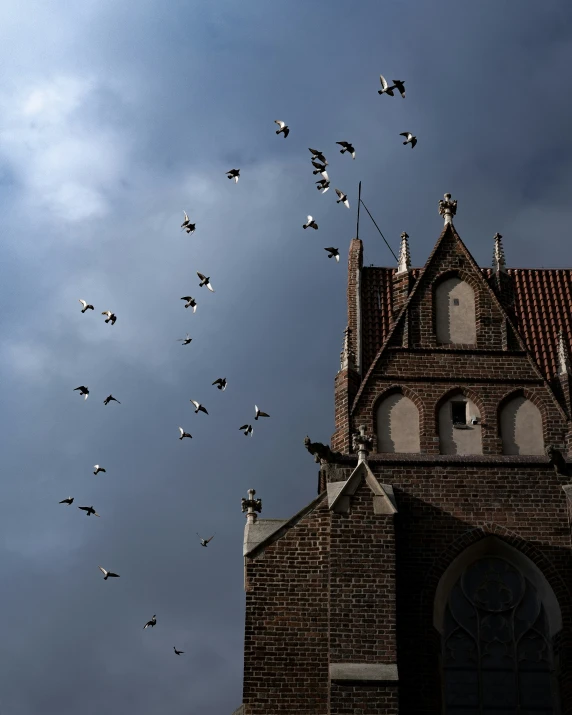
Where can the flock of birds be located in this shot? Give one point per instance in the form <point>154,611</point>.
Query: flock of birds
<point>320,163</point>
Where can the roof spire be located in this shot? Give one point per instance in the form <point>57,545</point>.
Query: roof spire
<point>251,505</point>
<point>563,358</point>
<point>404,263</point>
<point>447,208</point>
<point>499,262</point>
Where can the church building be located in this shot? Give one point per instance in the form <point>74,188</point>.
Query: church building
<point>431,575</point>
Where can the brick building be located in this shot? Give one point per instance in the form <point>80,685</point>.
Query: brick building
<point>432,572</point>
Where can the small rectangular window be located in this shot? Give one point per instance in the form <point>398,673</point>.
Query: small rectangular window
<point>455,301</point>
<point>459,412</point>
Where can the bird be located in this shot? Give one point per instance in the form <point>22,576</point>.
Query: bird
<point>205,282</point>
<point>310,224</point>
<point>83,390</point>
<point>399,86</point>
<point>184,434</point>
<point>185,341</point>
<point>204,542</point>
<point>320,168</point>
<point>110,317</point>
<point>109,399</point>
<point>319,156</point>
<point>69,500</point>
<point>247,429</point>
<point>334,253</point>
<point>259,413</point>
<point>151,622</point>
<point>86,305</point>
<point>283,128</point>
<point>198,407</point>
<point>178,652</point>
<point>325,177</point>
<point>191,302</point>
<point>233,174</point>
<point>385,88</point>
<point>347,147</point>
<point>108,574</point>
<point>323,185</point>
<point>343,198</point>
<point>220,382</point>
<point>410,138</point>
<point>187,225</point>
<point>89,509</point>
<point>97,469</point>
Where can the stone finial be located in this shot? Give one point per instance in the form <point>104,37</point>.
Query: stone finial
<point>346,356</point>
<point>447,208</point>
<point>362,443</point>
<point>563,357</point>
<point>250,506</point>
<point>404,263</point>
<point>499,262</point>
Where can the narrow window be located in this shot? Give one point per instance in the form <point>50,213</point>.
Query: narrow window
<point>455,301</point>
<point>459,413</point>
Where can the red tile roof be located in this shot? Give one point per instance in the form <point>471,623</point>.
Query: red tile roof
<point>543,304</point>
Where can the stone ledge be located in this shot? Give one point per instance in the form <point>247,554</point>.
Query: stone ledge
<point>364,672</point>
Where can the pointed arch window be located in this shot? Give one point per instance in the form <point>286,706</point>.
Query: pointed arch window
<point>497,656</point>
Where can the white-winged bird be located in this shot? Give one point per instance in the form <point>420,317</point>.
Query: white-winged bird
<point>111,317</point>
<point>410,139</point>
<point>320,168</point>
<point>97,469</point>
<point>233,174</point>
<point>283,128</point>
<point>334,253</point>
<point>247,430</point>
<point>107,574</point>
<point>343,198</point>
<point>187,225</point>
<point>83,390</point>
<point>184,434</point>
<point>205,281</point>
<point>191,302</point>
<point>198,407</point>
<point>310,224</point>
<point>347,147</point>
<point>86,305</point>
<point>385,88</point>
<point>259,413</point>
<point>323,185</point>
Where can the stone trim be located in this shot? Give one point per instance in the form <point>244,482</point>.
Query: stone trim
<point>364,672</point>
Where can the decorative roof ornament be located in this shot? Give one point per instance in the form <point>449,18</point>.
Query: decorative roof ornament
<point>563,357</point>
<point>362,443</point>
<point>404,263</point>
<point>250,506</point>
<point>347,361</point>
<point>447,208</point>
<point>499,262</point>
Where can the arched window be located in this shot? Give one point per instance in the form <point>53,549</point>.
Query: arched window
<point>521,427</point>
<point>460,426</point>
<point>455,318</point>
<point>397,424</point>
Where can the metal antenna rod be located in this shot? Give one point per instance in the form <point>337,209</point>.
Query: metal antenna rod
<point>358,207</point>
<point>380,233</point>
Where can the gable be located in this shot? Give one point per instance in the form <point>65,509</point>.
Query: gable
<point>382,495</point>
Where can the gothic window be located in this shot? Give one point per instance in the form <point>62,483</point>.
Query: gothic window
<point>455,318</point>
<point>496,655</point>
<point>521,427</point>
<point>459,427</point>
<point>398,425</point>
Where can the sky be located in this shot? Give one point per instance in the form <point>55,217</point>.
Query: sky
<point>115,118</point>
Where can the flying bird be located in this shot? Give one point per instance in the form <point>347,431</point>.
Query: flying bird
<point>323,185</point>
<point>185,341</point>
<point>187,225</point>
<point>233,174</point>
<point>86,305</point>
<point>184,434</point>
<point>83,390</point>
<point>319,156</point>
<point>347,147</point>
<point>310,224</point>
<point>399,85</point>
<point>107,574</point>
<point>69,500</point>
<point>283,128</point>
<point>343,198</point>
<point>110,317</point>
<point>259,413</point>
<point>205,282</point>
<point>220,382</point>
<point>198,407</point>
<point>89,510</point>
<point>204,542</point>
<point>247,430</point>
<point>334,253</point>
<point>320,168</point>
<point>109,399</point>
<point>150,623</point>
<point>410,138</point>
<point>97,469</point>
<point>178,652</point>
<point>191,302</point>
<point>385,88</point>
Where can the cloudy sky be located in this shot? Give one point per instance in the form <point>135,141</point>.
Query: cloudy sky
<point>114,118</point>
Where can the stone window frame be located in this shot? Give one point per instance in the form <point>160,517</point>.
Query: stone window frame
<point>470,280</point>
